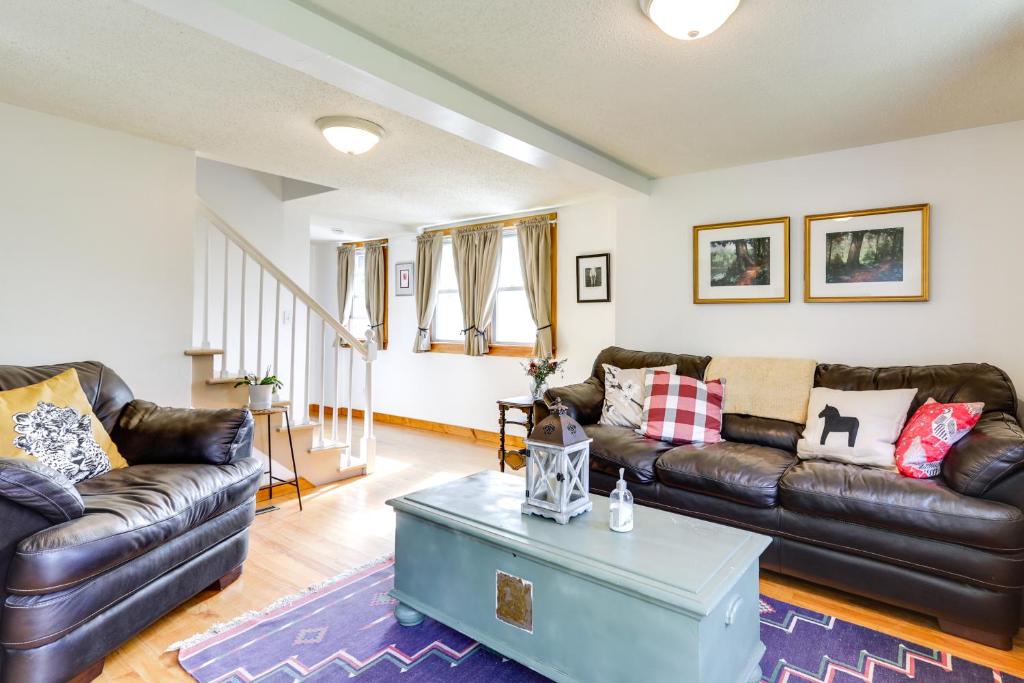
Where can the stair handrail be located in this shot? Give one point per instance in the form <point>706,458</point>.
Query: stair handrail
<point>256,255</point>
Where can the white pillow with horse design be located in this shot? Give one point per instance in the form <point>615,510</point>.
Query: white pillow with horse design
<point>856,427</point>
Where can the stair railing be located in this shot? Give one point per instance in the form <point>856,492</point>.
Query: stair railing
<point>331,335</point>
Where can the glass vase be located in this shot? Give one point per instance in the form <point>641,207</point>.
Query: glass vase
<point>537,389</point>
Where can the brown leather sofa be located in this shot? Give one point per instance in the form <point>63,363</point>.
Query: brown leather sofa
<point>951,546</point>
<point>84,568</point>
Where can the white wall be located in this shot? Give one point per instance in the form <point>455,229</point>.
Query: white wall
<point>462,390</point>
<point>96,238</point>
<point>254,204</point>
<point>974,181</point>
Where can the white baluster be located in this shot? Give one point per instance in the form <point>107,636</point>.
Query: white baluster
<point>259,329</point>
<point>291,364</point>
<point>206,288</point>
<point>305,386</point>
<point>323,379</point>
<point>334,421</point>
<point>348,407</point>
<point>241,323</point>
<point>224,306</point>
<point>277,322</point>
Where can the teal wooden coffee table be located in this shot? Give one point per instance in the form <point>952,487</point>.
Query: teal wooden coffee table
<point>675,600</point>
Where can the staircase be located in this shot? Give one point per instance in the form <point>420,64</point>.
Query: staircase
<point>316,346</point>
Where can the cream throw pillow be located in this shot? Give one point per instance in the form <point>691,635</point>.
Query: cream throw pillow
<point>856,427</point>
<point>624,395</point>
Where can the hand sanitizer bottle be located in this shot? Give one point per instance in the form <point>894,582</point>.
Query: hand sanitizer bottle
<point>620,506</point>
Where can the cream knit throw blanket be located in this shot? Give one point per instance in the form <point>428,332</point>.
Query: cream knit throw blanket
<point>776,388</point>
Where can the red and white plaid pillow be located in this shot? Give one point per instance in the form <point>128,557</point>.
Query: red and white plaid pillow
<point>681,409</point>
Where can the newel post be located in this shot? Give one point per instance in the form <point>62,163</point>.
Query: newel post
<point>368,442</point>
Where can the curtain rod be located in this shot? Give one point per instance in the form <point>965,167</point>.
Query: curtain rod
<point>365,243</point>
<point>507,223</point>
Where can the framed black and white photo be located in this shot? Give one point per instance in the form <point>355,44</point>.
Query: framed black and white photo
<point>592,278</point>
<point>405,282</point>
<point>868,255</point>
<point>742,262</point>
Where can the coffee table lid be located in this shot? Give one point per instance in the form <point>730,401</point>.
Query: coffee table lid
<point>669,558</point>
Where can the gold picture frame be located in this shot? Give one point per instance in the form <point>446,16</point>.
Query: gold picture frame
<point>821,284</point>
<point>704,277</point>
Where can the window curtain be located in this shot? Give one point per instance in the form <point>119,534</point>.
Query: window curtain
<point>376,269</point>
<point>477,252</point>
<point>535,259</point>
<point>428,262</point>
<point>346,273</point>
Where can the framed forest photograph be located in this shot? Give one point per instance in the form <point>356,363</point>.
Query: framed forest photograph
<point>741,262</point>
<point>869,255</point>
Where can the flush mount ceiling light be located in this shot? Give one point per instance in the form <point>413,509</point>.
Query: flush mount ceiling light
<point>349,134</point>
<point>688,19</point>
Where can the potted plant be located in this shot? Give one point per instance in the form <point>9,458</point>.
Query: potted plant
<point>538,370</point>
<point>261,389</point>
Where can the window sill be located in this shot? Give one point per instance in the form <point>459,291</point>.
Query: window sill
<point>507,350</point>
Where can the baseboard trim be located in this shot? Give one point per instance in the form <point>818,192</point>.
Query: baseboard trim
<point>511,441</point>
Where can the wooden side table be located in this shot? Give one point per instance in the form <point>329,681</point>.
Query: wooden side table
<point>524,404</point>
<point>269,413</point>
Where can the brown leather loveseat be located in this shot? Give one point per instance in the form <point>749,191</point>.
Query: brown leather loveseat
<point>951,546</point>
<point>85,567</point>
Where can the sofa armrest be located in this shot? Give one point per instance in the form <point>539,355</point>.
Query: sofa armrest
<point>146,433</point>
<point>42,489</point>
<point>583,400</point>
<point>993,449</point>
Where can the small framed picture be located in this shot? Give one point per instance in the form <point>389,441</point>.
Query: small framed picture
<point>593,272</point>
<point>869,255</point>
<point>741,262</point>
<point>405,283</point>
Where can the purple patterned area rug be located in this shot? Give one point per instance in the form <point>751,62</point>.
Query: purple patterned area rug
<point>344,629</point>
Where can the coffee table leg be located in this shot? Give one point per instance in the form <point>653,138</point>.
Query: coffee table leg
<point>407,616</point>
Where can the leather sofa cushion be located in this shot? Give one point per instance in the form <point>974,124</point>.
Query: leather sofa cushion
<point>990,451</point>
<point>742,473</point>
<point>615,447</point>
<point>33,620</point>
<point>762,431</point>
<point>127,513</point>
<point>32,484</point>
<point>584,401</point>
<point>887,500</point>
<point>691,366</point>
<point>957,383</point>
<point>997,570</point>
<point>107,393</point>
<point>150,434</point>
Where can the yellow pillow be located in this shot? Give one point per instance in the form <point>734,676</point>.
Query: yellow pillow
<point>53,422</point>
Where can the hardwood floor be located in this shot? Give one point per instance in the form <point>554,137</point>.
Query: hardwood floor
<point>347,524</point>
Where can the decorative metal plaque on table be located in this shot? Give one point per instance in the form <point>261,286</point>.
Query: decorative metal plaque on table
<point>513,599</point>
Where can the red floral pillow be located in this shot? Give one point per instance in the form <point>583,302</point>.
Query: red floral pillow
<point>930,433</point>
<point>681,409</point>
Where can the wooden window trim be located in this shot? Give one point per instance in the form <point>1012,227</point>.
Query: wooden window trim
<point>512,350</point>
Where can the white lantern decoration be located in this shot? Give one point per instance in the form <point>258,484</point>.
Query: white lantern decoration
<point>558,468</point>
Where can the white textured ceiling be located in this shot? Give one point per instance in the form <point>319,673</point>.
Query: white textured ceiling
<point>782,78</point>
<point>117,65</point>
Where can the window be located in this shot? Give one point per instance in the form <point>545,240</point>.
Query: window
<point>358,320</point>
<point>512,328</point>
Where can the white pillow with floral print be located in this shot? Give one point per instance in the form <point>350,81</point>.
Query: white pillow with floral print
<point>624,395</point>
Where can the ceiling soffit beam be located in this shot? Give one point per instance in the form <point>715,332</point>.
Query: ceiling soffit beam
<point>303,40</point>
